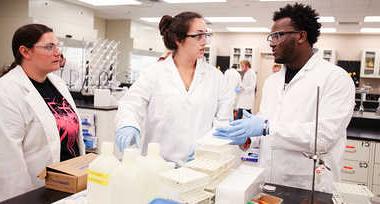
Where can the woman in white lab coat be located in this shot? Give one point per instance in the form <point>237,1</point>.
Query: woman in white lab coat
<point>180,98</point>
<point>38,121</point>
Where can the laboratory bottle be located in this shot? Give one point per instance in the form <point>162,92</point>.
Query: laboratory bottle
<point>99,173</point>
<point>125,180</point>
<point>151,166</point>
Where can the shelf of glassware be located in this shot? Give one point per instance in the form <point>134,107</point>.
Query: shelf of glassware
<point>238,54</point>
<point>370,64</point>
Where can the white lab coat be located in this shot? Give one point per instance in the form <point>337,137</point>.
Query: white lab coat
<point>175,118</point>
<point>246,98</point>
<point>291,111</point>
<point>29,138</point>
<point>233,80</point>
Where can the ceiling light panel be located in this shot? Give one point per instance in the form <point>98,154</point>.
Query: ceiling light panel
<point>230,19</point>
<point>110,2</point>
<point>192,1</point>
<point>277,0</point>
<point>326,19</point>
<point>328,30</point>
<point>248,29</point>
<point>371,18</point>
<point>151,19</point>
<point>370,30</point>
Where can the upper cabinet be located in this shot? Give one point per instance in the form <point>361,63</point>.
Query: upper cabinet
<point>370,64</point>
<point>329,55</point>
<point>241,53</point>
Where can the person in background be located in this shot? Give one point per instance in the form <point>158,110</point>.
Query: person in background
<point>288,107</point>
<point>233,80</point>
<point>165,55</point>
<point>246,91</point>
<point>39,124</point>
<point>177,100</point>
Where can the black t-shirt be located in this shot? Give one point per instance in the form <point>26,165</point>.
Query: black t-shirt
<point>66,118</point>
<point>289,74</point>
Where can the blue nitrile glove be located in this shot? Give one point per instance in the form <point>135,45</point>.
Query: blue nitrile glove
<point>240,130</point>
<point>126,137</point>
<point>237,89</point>
<point>191,156</point>
<point>162,201</point>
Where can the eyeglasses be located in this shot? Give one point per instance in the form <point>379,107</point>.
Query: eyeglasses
<point>278,36</point>
<point>51,46</point>
<point>200,36</point>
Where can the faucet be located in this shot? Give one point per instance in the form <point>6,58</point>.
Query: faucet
<point>100,75</point>
<point>362,98</point>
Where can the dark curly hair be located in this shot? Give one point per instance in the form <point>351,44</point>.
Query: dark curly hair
<point>303,18</point>
<point>176,28</point>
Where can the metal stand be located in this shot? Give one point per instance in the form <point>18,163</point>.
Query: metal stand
<point>316,157</point>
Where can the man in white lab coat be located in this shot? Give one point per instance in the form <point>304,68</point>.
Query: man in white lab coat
<point>286,120</point>
<point>246,91</point>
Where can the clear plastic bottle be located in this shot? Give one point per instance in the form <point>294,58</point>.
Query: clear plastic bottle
<point>99,174</point>
<point>125,181</point>
<point>151,166</point>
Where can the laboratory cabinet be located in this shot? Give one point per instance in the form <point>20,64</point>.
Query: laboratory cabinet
<point>209,55</point>
<point>241,53</point>
<point>328,54</point>
<point>376,172</point>
<point>369,67</point>
<point>361,164</point>
<point>104,123</point>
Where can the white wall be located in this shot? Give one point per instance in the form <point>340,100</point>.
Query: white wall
<point>146,37</point>
<point>119,30</point>
<point>13,14</point>
<point>100,27</point>
<point>64,18</point>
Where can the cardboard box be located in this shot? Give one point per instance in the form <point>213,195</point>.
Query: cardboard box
<point>68,176</point>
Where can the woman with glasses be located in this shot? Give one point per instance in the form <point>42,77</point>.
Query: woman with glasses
<point>178,99</point>
<point>38,122</point>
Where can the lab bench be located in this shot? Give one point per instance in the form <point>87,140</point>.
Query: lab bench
<point>289,195</point>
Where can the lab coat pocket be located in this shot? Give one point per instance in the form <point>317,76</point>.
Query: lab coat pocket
<point>35,136</point>
<point>36,161</point>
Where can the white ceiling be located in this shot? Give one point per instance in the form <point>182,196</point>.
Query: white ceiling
<point>349,14</point>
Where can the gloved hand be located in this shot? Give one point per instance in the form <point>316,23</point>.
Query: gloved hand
<point>126,137</point>
<point>191,156</point>
<point>240,130</point>
<point>237,89</point>
<point>162,201</point>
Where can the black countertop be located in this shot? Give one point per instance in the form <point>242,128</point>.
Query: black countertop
<point>364,126</point>
<point>38,196</point>
<point>288,194</point>
<point>292,195</point>
<point>91,106</point>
